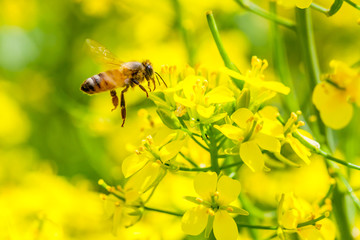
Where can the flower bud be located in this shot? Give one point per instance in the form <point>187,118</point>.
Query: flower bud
<point>169,118</point>
<point>243,100</point>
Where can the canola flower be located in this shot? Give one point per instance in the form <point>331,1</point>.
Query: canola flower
<point>293,211</point>
<point>340,90</point>
<point>213,209</point>
<point>251,138</point>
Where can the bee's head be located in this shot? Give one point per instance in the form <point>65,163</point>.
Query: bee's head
<point>149,72</point>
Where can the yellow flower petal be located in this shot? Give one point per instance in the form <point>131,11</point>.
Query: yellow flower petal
<point>338,115</point>
<point>205,184</point>
<point>267,142</point>
<point>252,156</point>
<point>171,149</point>
<point>188,86</point>
<point>231,132</point>
<point>275,86</point>
<point>229,190</point>
<point>194,220</point>
<point>332,103</point>
<point>144,178</point>
<point>242,117</point>
<point>300,150</point>
<point>270,85</point>
<point>205,112</point>
<point>220,95</point>
<point>184,101</point>
<point>224,226</point>
<point>132,164</point>
<point>290,219</point>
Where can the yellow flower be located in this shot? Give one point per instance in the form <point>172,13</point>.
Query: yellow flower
<point>261,89</point>
<point>213,209</point>
<point>163,148</point>
<point>334,96</point>
<point>201,103</point>
<point>293,211</point>
<point>252,134</point>
<point>292,148</point>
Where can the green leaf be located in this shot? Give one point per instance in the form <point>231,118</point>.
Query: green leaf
<point>335,7</point>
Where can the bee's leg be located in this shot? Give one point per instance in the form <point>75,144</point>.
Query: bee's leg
<point>153,81</point>
<point>115,99</point>
<point>141,86</point>
<point>149,85</point>
<point>122,105</point>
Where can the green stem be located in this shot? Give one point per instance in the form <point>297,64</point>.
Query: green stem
<point>228,63</point>
<point>311,222</point>
<point>164,211</point>
<point>320,8</point>
<point>304,224</point>
<point>213,151</point>
<point>188,159</point>
<point>348,187</point>
<point>185,169</point>
<point>251,7</point>
<point>289,101</point>
<point>306,38</point>
<point>193,138</point>
<point>184,32</point>
<point>341,218</point>
<point>351,3</point>
<point>323,153</point>
<point>257,226</point>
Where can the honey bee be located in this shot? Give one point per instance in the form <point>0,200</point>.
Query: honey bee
<point>126,74</point>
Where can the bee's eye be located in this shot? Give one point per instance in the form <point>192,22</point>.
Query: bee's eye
<point>149,69</point>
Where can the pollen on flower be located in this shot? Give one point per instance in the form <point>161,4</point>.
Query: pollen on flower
<point>101,182</point>
<point>250,119</point>
<point>210,212</point>
<point>150,139</point>
<point>216,194</point>
<point>200,200</point>
<point>258,127</point>
<point>300,124</point>
<point>318,226</point>
<point>117,204</point>
<point>294,116</point>
<point>180,110</point>
<point>103,196</point>
<point>229,209</point>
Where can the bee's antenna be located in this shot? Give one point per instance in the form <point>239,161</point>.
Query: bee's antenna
<point>158,75</point>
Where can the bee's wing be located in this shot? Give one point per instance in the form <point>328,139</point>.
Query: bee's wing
<point>102,54</point>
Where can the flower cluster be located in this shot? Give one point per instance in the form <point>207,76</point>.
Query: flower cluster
<point>233,127</point>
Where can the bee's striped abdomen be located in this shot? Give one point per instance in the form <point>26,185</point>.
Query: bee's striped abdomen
<point>101,82</point>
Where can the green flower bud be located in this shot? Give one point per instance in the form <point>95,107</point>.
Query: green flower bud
<point>243,100</point>
<point>168,118</point>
